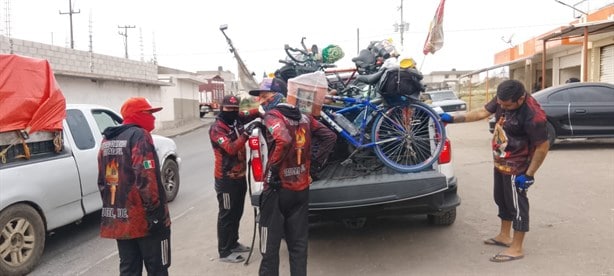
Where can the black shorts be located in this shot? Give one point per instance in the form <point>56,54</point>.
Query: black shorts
<point>513,204</point>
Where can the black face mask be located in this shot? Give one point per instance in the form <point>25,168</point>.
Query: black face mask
<point>229,116</point>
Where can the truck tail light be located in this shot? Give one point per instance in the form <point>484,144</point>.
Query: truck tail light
<point>254,145</point>
<point>446,153</point>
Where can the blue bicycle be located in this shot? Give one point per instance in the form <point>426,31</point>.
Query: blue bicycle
<point>405,134</point>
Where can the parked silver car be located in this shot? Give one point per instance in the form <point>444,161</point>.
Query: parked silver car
<point>447,100</point>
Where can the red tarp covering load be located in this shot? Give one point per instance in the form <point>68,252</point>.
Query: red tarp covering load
<point>30,98</point>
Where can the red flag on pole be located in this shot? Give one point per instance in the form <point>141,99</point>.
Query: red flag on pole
<point>434,39</point>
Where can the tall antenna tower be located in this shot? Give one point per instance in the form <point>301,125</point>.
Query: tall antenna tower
<point>7,18</point>
<point>141,43</point>
<point>155,56</point>
<point>91,46</point>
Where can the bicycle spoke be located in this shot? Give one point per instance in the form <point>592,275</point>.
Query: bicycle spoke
<point>408,138</point>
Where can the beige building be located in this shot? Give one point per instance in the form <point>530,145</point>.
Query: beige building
<point>584,50</point>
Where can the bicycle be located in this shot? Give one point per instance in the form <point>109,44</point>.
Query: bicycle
<point>300,61</point>
<point>406,136</point>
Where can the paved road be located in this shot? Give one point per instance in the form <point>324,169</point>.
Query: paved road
<point>572,223</point>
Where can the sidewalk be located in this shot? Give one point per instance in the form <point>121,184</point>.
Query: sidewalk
<point>184,128</point>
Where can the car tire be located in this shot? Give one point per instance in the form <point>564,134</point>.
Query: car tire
<point>202,114</point>
<point>445,218</point>
<point>28,242</point>
<point>170,179</point>
<point>551,133</point>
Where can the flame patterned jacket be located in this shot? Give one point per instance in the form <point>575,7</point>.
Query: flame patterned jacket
<point>289,141</point>
<point>228,142</point>
<point>130,184</point>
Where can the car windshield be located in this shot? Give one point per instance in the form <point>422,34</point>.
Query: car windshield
<point>442,96</point>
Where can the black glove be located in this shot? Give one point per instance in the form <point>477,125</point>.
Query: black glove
<point>252,126</point>
<point>155,220</point>
<point>272,178</point>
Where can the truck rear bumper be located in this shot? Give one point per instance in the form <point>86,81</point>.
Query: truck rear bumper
<point>438,201</point>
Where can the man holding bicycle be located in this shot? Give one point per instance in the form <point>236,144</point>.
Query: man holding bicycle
<point>520,145</point>
<point>284,202</point>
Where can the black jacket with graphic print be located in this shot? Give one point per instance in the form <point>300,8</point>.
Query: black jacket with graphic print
<point>130,184</point>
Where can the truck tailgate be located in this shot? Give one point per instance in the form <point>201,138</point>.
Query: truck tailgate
<point>339,189</point>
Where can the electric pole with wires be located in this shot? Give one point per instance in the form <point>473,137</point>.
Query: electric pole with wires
<point>125,35</point>
<point>403,26</point>
<point>70,13</point>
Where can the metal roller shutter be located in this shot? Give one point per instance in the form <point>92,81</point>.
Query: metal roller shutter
<point>607,64</point>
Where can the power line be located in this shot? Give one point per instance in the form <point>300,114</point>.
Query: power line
<point>125,35</point>
<point>70,13</point>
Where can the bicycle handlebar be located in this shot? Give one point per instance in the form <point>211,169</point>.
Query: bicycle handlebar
<point>287,48</point>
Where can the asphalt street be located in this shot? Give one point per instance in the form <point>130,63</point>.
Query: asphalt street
<point>572,223</point>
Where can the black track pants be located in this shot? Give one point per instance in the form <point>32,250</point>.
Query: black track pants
<point>154,251</point>
<point>284,213</point>
<point>231,200</point>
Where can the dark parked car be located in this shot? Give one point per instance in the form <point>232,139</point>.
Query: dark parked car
<point>577,110</point>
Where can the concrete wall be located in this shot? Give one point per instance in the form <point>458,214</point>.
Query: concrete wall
<point>105,92</point>
<point>70,60</point>
<point>91,78</point>
<point>181,97</point>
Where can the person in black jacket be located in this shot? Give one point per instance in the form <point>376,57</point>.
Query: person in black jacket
<point>134,207</point>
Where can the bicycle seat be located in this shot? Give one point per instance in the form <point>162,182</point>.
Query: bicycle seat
<point>370,79</point>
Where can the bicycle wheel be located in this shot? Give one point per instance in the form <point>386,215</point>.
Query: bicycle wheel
<point>408,138</point>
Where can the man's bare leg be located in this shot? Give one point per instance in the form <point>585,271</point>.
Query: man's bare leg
<point>505,232</point>
<point>515,249</point>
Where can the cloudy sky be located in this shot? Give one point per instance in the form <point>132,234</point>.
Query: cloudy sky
<point>187,35</point>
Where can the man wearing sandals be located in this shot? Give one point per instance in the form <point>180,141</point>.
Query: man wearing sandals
<point>520,145</point>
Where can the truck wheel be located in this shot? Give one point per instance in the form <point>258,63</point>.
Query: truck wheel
<point>22,239</point>
<point>445,218</point>
<point>170,179</point>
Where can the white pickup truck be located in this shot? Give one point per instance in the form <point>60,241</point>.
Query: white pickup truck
<point>354,193</point>
<point>52,189</point>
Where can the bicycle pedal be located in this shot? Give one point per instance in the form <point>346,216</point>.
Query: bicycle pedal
<point>347,162</point>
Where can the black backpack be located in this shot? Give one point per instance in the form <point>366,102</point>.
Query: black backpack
<point>401,82</point>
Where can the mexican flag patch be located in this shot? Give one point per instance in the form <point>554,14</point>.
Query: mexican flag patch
<point>148,164</point>
<point>220,140</point>
<point>271,129</point>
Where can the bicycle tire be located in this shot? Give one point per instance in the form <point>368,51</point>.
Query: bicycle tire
<point>409,138</point>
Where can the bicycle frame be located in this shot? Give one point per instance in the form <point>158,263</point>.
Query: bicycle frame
<point>356,104</point>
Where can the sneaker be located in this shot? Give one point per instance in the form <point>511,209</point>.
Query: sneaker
<point>240,248</point>
<point>232,258</point>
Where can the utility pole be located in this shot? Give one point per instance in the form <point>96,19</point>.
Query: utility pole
<point>70,13</point>
<point>125,35</point>
<point>403,26</point>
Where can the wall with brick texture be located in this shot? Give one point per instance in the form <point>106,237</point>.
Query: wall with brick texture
<point>71,60</point>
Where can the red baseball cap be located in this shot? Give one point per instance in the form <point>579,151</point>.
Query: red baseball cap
<point>137,104</point>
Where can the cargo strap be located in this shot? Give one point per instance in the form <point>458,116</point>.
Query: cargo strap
<point>57,141</point>
<point>19,138</point>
